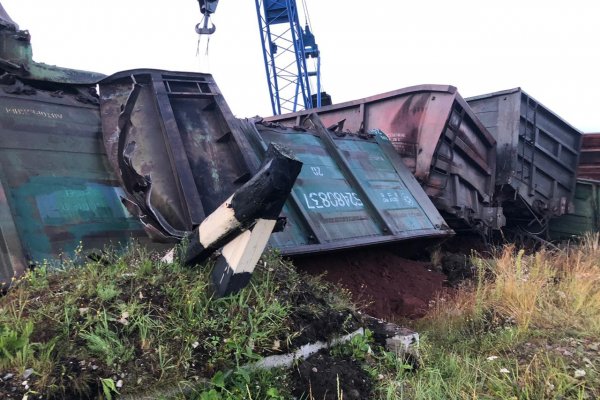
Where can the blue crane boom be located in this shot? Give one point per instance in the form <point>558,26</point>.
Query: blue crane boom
<point>286,49</point>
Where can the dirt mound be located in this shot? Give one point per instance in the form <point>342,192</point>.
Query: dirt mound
<point>325,377</point>
<point>393,286</point>
<point>311,316</point>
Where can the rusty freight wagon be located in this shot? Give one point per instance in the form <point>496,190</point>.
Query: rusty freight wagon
<point>158,151</point>
<point>56,194</point>
<point>176,127</point>
<point>537,157</point>
<point>589,159</point>
<point>439,139</point>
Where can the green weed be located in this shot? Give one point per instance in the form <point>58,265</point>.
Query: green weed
<point>80,326</point>
<point>357,348</point>
<point>107,291</point>
<point>108,387</point>
<point>15,348</point>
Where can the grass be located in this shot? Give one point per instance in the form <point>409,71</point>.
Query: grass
<point>528,328</point>
<point>131,324</point>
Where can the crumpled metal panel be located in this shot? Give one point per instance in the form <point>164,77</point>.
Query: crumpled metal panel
<point>56,194</point>
<point>180,153</point>
<point>168,136</point>
<point>439,139</point>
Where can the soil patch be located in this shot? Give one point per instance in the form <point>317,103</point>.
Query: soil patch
<point>319,376</point>
<point>312,317</point>
<point>311,327</point>
<point>392,287</point>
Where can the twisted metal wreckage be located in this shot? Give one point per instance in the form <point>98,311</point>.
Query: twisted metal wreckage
<point>158,156</point>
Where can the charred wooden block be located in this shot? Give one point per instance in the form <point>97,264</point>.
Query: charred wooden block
<point>243,223</point>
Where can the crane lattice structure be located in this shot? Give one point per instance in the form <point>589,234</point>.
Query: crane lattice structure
<point>286,48</point>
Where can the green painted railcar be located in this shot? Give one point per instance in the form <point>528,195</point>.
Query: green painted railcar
<point>586,216</point>
<point>158,151</point>
<point>56,193</point>
<point>177,129</point>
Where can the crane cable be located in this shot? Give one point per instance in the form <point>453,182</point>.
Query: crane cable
<point>308,22</point>
<point>198,46</point>
<point>203,62</point>
<point>306,15</point>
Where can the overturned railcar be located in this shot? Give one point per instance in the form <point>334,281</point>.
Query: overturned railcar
<point>158,151</point>
<point>537,156</point>
<point>181,153</point>
<point>56,194</point>
<point>439,139</point>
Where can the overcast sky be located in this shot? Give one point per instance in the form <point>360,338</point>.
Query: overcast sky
<point>549,48</point>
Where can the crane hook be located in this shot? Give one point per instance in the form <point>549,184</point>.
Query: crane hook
<point>202,27</point>
<point>207,7</point>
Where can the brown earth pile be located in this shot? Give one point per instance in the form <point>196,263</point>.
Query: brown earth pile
<point>392,287</point>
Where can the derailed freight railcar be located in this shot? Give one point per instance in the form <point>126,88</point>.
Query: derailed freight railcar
<point>169,152</point>
<point>66,186</point>
<point>56,194</point>
<point>439,139</point>
<point>589,159</point>
<point>176,129</point>
<point>537,157</point>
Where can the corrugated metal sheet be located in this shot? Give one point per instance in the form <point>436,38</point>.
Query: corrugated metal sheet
<point>352,191</point>
<point>537,154</point>
<point>585,218</point>
<point>439,139</point>
<point>177,130</point>
<point>589,160</point>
